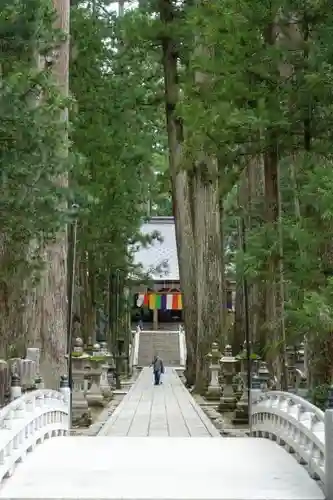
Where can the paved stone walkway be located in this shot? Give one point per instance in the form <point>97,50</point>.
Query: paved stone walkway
<point>164,411</point>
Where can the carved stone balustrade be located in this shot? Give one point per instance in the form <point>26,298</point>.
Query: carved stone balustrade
<point>27,421</point>
<point>296,425</point>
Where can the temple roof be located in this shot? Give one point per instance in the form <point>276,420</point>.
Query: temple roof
<point>160,259</point>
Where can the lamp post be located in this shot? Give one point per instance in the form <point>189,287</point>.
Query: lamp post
<point>71,288</point>
<point>247,325</point>
<point>127,328</point>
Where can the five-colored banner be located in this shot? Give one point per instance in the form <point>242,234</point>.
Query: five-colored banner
<point>164,302</point>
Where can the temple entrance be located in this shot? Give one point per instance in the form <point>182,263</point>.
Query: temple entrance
<point>158,309</point>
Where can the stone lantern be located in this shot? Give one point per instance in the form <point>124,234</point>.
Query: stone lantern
<point>96,350</point>
<point>90,346</point>
<point>94,395</point>
<point>256,390</point>
<point>244,361</point>
<point>263,375</point>
<point>291,366</point>
<point>79,403</point>
<point>228,365</point>
<point>301,361</point>
<point>214,389</point>
<point>78,345</point>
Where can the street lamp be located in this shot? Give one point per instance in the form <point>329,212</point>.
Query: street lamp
<point>71,289</point>
<point>247,325</point>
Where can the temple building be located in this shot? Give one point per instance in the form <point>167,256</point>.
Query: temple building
<point>160,304</point>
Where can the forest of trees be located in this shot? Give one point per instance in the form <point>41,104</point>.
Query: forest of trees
<point>218,112</point>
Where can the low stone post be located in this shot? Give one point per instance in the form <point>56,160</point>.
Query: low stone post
<point>214,389</point>
<point>15,387</point>
<point>228,363</point>
<point>329,447</point>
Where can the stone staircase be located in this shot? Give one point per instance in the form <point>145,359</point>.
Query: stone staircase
<point>164,343</point>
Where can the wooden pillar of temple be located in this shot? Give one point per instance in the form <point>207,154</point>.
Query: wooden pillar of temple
<point>155,319</point>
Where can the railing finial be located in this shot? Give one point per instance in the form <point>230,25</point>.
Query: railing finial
<point>330,398</point>
<point>15,387</point>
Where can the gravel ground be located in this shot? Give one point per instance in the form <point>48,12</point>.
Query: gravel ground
<point>100,416</point>
<point>221,421</point>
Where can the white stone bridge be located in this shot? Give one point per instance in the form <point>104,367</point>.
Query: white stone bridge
<point>158,444</point>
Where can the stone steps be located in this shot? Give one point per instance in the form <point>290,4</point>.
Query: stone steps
<point>165,344</point>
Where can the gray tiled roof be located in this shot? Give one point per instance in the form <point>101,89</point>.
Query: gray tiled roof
<point>162,255</point>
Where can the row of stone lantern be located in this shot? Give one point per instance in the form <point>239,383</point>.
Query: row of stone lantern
<point>229,386</point>
<point>93,378</point>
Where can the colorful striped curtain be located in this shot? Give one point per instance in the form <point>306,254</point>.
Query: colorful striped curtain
<point>168,301</point>
<point>164,302</point>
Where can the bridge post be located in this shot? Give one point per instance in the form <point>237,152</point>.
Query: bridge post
<point>66,391</point>
<point>329,453</point>
<point>15,389</point>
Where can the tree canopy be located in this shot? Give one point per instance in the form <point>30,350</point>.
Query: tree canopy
<point>219,113</point>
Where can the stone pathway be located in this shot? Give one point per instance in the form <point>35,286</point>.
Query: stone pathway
<point>164,411</point>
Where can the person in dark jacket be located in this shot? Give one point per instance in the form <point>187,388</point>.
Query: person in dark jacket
<point>158,368</point>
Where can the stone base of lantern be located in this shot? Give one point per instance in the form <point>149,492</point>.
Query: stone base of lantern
<point>227,404</point>
<point>94,396</point>
<point>95,400</point>
<point>241,415</point>
<point>80,412</point>
<point>213,393</point>
<point>105,386</point>
<point>84,420</point>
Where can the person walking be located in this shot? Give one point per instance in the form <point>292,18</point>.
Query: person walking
<point>158,368</point>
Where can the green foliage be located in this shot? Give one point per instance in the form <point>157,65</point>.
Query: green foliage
<point>319,396</point>
<point>118,135</point>
<point>31,132</point>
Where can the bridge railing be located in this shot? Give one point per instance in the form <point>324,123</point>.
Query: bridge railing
<point>28,421</point>
<point>294,423</point>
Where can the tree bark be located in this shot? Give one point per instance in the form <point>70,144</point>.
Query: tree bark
<point>181,191</point>
<point>47,322</point>
<point>209,269</point>
<point>274,282</point>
